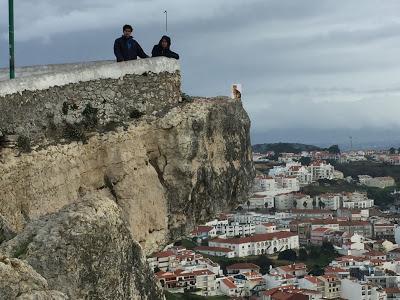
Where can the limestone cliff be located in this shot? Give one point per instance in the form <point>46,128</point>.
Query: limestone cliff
<point>166,172</point>
<point>164,166</point>
<point>86,252</point>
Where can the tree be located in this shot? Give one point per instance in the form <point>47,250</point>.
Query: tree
<point>334,149</point>
<point>316,270</point>
<point>305,204</point>
<point>321,204</point>
<point>264,263</point>
<point>303,255</point>
<point>294,203</point>
<point>248,205</point>
<point>314,203</point>
<point>305,161</point>
<point>328,248</point>
<point>288,254</point>
<point>239,208</point>
<point>266,205</point>
<point>392,151</point>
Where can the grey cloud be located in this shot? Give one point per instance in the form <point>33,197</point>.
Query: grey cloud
<point>305,65</point>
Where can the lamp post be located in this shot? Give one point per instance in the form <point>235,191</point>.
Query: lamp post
<point>11,37</point>
<point>166,20</point>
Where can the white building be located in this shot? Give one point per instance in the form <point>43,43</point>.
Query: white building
<point>265,228</point>
<point>321,170</point>
<point>330,201</point>
<point>264,183</point>
<point>397,233</point>
<point>268,243</point>
<point>357,200</point>
<point>379,182</point>
<point>259,200</point>
<point>355,290</point>
<point>284,201</point>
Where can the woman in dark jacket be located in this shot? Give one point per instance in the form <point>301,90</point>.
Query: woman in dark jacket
<point>162,49</point>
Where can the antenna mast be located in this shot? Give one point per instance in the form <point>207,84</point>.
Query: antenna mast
<point>166,20</point>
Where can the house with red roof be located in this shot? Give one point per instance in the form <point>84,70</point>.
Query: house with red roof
<point>297,270</point>
<point>274,280</point>
<point>229,287</point>
<point>289,293</point>
<point>164,260</point>
<point>318,235</point>
<point>204,232</point>
<point>242,268</point>
<point>337,271</point>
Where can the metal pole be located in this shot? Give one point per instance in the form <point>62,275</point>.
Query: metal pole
<point>11,37</point>
<point>166,21</point>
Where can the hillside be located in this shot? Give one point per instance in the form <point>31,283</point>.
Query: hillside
<point>284,147</point>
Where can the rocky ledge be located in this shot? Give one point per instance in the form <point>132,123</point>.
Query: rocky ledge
<point>80,213</point>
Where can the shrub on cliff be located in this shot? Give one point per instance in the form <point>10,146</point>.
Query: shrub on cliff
<point>24,144</point>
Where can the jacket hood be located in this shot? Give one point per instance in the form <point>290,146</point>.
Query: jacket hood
<point>167,38</point>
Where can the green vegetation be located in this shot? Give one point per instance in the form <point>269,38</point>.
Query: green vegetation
<point>289,255</point>
<point>188,296</point>
<point>90,119</point>
<point>186,97</point>
<point>188,244</point>
<point>74,132</point>
<point>263,261</point>
<point>292,148</point>
<point>382,197</point>
<point>284,147</point>
<point>24,144</point>
<point>371,168</point>
<point>316,258</point>
<point>135,114</point>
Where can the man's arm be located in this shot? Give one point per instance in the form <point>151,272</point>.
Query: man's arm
<point>172,54</point>
<point>117,51</point>
<point>140,51</point>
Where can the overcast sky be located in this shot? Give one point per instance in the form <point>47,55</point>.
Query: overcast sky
<point>312,71</point>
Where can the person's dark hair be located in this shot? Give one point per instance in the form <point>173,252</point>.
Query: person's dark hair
<point>126,26</point>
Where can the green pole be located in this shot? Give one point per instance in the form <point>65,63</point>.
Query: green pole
<point>11,37</point>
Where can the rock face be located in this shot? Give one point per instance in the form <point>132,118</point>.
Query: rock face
<point>120,166</point>
<point>85,251</point>
<point>166,172</point>
<point>19,281</point>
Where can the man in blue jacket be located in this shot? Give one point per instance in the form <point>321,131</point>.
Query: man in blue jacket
<point>126,48</point>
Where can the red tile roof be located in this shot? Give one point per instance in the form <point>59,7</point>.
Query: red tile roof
<point>229,283</point>
<point>293,267</point>
<point>330,270</point>
<point>202,272</point>
<point>321,229</point>
<point>202,229</point>
<point>164,254</point>
<point>311,279</point>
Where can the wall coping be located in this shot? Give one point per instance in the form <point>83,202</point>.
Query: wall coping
<point>87,72</point>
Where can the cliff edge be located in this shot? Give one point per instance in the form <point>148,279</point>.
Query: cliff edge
<point>126,143</point>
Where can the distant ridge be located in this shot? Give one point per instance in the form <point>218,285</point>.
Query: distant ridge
<point>284,147</point>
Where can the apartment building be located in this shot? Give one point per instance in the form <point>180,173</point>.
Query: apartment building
<point>268,243</point>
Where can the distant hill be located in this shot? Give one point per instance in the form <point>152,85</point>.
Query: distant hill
<point>284,147</point>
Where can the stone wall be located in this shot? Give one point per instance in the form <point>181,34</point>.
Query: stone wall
<point>61,105</point>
